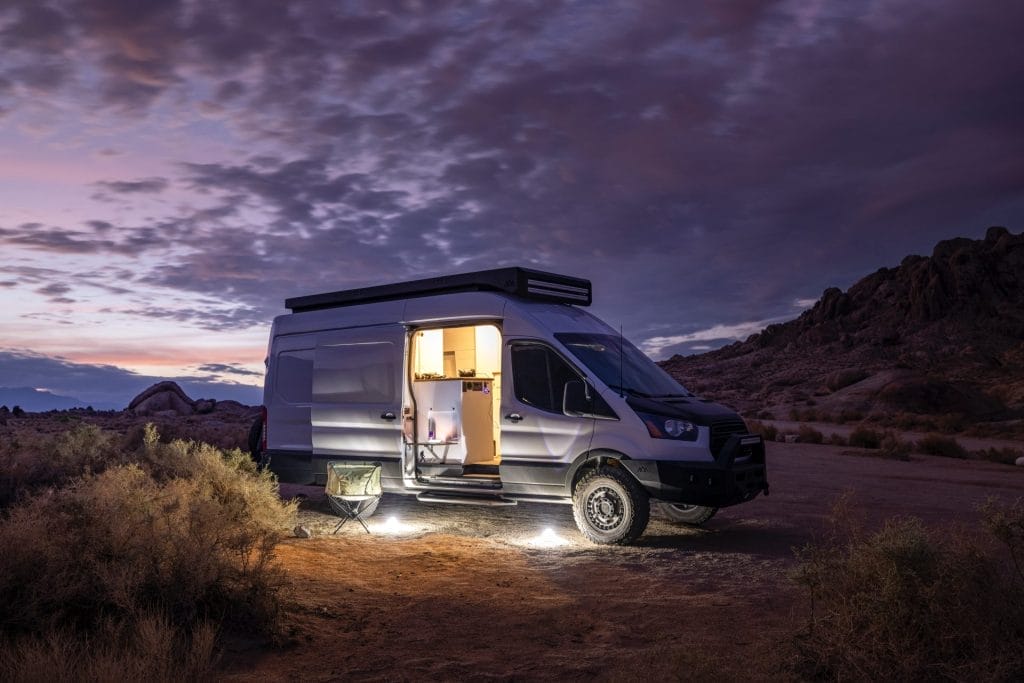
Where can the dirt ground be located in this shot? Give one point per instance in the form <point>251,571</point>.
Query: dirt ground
<point>457,592</point>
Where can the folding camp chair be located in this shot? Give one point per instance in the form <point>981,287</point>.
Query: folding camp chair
<point>352,489</point>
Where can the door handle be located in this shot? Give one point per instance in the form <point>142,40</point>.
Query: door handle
<point>387,415</point>
<point>514,417</point>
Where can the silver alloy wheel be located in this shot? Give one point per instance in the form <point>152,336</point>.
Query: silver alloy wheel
<point>605,508</point>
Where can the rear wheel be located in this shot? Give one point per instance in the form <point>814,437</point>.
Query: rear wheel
<point>691,515</point>
<point>610,507</point>
<point>255,441</point>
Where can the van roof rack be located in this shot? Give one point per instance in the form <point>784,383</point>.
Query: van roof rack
<point>524,282</point>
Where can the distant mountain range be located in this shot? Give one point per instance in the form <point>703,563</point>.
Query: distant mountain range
<point>39,400</point>
<point>936,335</point>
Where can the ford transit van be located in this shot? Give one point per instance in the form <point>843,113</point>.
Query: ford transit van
<point>496,388</point>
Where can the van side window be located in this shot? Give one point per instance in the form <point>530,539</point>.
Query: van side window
<point>355,373</point>
<point>293,380</point>
<point>539,376</point>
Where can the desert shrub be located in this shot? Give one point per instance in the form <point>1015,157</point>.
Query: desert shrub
<point>848,415</point>
<point>864,437</point>
<point>844,378</point>
<point>807,415</point>
<point>54,460</point>
<point>836,440</point>
<point>1006,455</point>
<point>936,444</point>
<point>901,604</point>
<point>769,432</point>
<point>952,424</point>
<point>222,434</point>
<point>150,649</point>
<point>809,435</point>
<point>186,533</point>
<point>891,446</point>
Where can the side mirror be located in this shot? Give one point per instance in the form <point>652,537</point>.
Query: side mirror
<point>576,400</point>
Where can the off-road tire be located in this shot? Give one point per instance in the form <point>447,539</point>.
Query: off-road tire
<point>255,436</point>
<point>690,515</point>
<point>610,507</point>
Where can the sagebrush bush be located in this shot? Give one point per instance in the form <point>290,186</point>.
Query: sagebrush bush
<point>149,648</point>
<point>769,432</point>
<point>181,532</point>
<point>809,435</point>
<point>945,446</point>
<point>54,460</point>
<point>902,604</point>
<point>891,446</point>
<point>1005,455</point>
<point>864,437</point>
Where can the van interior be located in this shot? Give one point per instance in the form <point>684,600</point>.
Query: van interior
<point>455,417</point>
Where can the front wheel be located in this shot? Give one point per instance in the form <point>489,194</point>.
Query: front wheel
<point>691,515</point>
<point>610,507</point>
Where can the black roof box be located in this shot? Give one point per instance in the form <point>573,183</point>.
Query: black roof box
<point>524,282</point>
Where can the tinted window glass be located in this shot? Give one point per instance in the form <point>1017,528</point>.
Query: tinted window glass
<point>293,380</point>
<point>621,365</point>
<point>539,376</point>
<point>356,373</point>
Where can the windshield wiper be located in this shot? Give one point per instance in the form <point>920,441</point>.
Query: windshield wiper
<point>630,390</point>
<point>671,396</point>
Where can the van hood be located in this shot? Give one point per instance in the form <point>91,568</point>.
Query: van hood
<point>691,408</point>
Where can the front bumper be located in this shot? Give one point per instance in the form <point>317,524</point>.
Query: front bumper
<point>737,475</point>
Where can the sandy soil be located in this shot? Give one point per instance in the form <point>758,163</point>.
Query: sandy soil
<point>467,592</point>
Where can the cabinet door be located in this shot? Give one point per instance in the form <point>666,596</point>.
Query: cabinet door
<point>357,393</point>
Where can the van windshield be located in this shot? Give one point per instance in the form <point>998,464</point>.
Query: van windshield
<point>621,365</point>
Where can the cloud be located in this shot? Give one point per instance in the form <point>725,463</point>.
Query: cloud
<point>228,369</point>
<point>129,241</point>
<point>54,290</point>
<point>705,164</point>
<point>141,186</point>
<point>656,346</point>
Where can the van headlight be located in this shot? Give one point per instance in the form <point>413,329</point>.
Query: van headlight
<point>661,427</point>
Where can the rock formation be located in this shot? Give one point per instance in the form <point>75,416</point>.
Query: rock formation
<point>162,398</point>
<point>935,335</point>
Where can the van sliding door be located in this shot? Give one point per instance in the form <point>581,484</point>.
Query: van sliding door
<point>357,393</point>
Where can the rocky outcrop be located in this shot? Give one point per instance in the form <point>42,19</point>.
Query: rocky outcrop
<point>163,398</point>
<point>950,326</point>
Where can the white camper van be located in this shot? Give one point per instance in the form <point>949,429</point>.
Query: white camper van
<point>495,388</point>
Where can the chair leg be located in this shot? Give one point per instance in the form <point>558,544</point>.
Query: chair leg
<point>351,512</point>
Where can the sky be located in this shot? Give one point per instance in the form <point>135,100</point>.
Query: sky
<point>172,170</point>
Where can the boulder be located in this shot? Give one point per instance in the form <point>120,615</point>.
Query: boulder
<point>162,398</point>
<point>1020,461</point>
<point>204,405</point>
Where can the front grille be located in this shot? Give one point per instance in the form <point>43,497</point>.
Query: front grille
<point>722,430</point>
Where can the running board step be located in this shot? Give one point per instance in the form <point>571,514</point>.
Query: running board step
<point>476,482</point>
<point>490,501</point>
